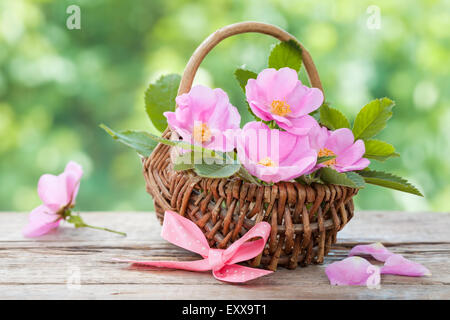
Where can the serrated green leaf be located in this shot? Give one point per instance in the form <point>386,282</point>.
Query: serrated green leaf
<point>379,150</point>
<point>243,75</point>
<point>216,170</point>
<point>160,97</point>
<point>348,179</point>
<point>372,118</point>
<point>332,118</point>
<point>286,54</point>
<point>214,165</point>
<point>389,180</point>
<point>324,159</point>
<point>140,141</point>
<point>356,178</point>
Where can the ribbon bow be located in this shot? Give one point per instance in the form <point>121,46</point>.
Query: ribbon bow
<point>186,234</point>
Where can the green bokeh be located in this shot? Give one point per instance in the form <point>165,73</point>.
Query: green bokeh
<point>57,85</point>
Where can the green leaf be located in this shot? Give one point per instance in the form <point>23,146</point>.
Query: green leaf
<point>140,141</point>
<point>348,179</point>
<point>332,118</point>
<point>246,176</point>
<point>184,162</point>
<point>356,178</point>
<point>389,180</point>
<point>372,118</point>
<point>324,159</point>
<point>216,170</point>
<point>209,166</point>
<point>286,54</point>
<point>160,97</point>
<point>309,179</point>
<point>173,143</point>
<point>188,160</point>
<point>243,75</point>
<point>379,150</point>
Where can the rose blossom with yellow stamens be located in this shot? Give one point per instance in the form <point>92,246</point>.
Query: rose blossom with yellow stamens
<point>280,96</point>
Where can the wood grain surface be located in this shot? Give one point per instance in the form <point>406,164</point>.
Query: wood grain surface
<point>78,263</point>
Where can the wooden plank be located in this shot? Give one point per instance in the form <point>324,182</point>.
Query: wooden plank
<point>49,267</point>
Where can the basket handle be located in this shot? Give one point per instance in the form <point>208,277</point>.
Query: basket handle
<point>243,27</point>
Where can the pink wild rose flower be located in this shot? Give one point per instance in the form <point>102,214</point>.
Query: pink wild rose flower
<point>340,143</point>
<point>205,117</point>
<point>273,155</point>
<point>280,96</point>
<point>58,194</point>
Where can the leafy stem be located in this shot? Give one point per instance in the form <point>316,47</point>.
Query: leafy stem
<point>78,222</point>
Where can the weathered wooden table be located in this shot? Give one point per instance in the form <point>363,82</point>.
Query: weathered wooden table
<point>78,263</point>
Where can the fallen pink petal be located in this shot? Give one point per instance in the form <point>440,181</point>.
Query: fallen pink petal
<point>41,221</point>
<point>399,265</point>
<point>352,271</point>
<point>376,250</point>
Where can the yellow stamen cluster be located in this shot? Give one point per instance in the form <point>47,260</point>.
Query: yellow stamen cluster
<point>280,108</point>
<point>267,162</point>
<point>202,133</point>
<point>325,152</point>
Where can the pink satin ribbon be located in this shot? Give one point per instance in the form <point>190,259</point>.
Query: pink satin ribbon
<point>186,234</point>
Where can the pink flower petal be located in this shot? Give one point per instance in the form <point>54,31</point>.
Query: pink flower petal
<point>339,140</point>
<point>304,100</point>
<point>290,154</point>
<point>299,126</point>
<point>59,191</point>
<point>74,173</point>
<point>358,165</point>
<point>376,250</point>
<point>284,81</point>
<point>53,191</point>
<point>353,271</point>
<point>318,136</point>
<point>351,154</point>
<point>41,221</point>
<point>397,264</point>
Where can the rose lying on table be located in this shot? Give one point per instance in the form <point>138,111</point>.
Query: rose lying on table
<point>58,194</point>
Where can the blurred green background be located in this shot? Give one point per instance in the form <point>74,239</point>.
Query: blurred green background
<point>57,85</point>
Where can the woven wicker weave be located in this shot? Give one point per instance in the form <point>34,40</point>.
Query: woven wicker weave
<point>304,219</point>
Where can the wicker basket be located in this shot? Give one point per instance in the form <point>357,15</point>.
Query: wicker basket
<point>304,219</point>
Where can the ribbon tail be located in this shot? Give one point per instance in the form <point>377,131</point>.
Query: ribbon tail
<point>196,265</point>
<point>237,273</point>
